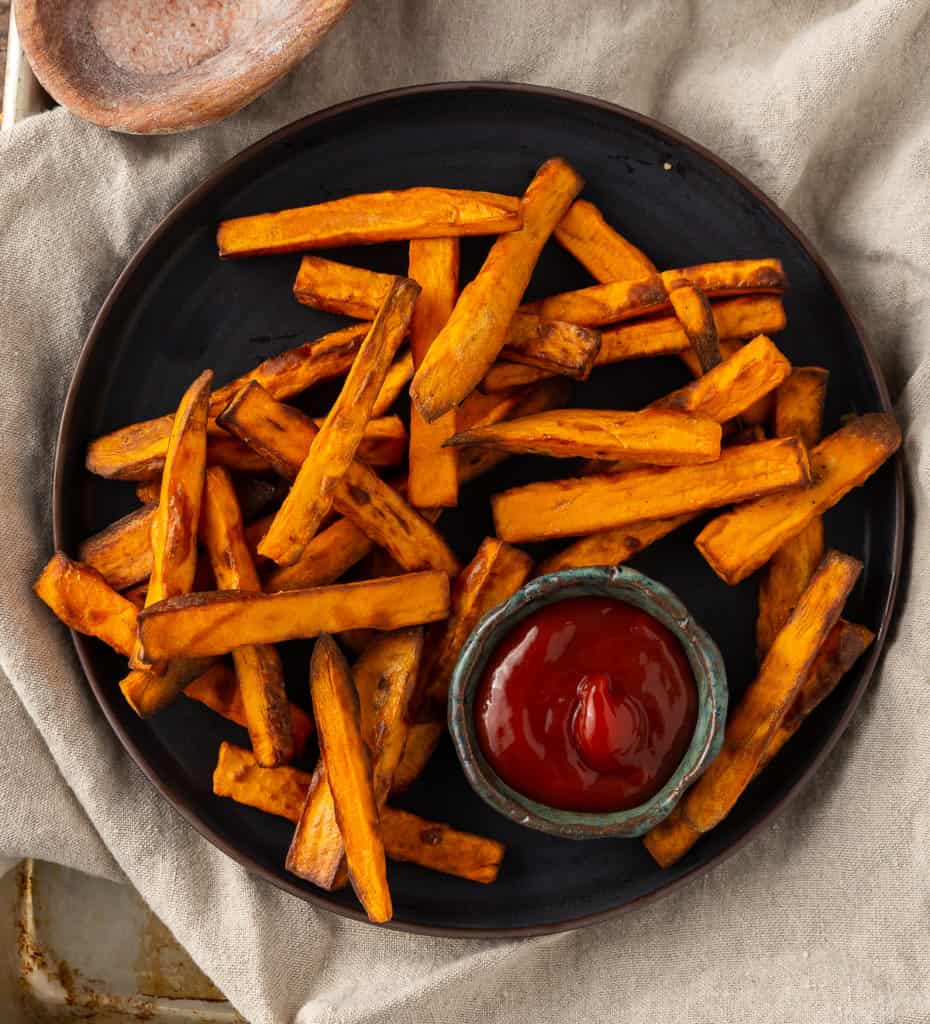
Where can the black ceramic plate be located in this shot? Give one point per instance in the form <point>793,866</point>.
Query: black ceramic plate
<point>177,309</point>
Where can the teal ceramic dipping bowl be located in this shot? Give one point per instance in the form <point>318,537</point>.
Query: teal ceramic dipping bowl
<point>633,588</point>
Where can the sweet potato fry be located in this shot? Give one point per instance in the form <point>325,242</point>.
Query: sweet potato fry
<point>612,547</point>
<point>477,330</point>
<point>604,253</point>
<point>122,552</point>
<point>441,847</point>
<point>799,412</point>
<point>367,219</point>
<point>349,774</point>
<point>330,554</point>
<point>258,668</point>
<point>658,437</point>
<point>341,288</point>
<point>696,317</point>
<point>385,677</point>
<point>149,491</point>
<point>566,508</point>
<point>86,603</point>
<point>621,300</point>
<point>399,375</point>
<point>137,452</point>
<point>433,477</point>
<point>333,449</point>
<point>283,436</point>
<point>281,791</point>
<point>174,524</point>
<point>495,573</point>
<point>846,642</point>
<point>149,692</point>
<point>552,345</point>
<point>548,394</point>
<point>422,740</point>
<point>768,698</point>
<point>742,540</point>
<point>233,455</point>
<point>742,317</point>
<point>196,625</point>
<point>218,689</point>
<point>759,413</point>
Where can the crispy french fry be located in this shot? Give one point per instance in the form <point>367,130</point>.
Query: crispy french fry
<point>367,219</point>
<point>218,689</point>
<point>548,394</point>
<point>495,573</point>
<point>612,547</point>
<point>197,625</point>
<point>283,436</point>
<point>566,508</point>
<point>137,452</point>
<point>477,330</point>
<point>441,847</point>
<point>604,253</point>
<point>122,552</point>
<point>398,376</point>
<point>174,524</point>
<point>281,791</point>
<point>659,437</point>
<point>433,477</point>
<point>258,668</point>
<point>349,774</point>
<point>84,601</point>
<point>385,677</point>
<point>332,450</point>
<point>330,554</point>
<point>798,411</point>
<point>422,740</point>
<point>742,540</point>
<point>768,698</point>
<point>621,300</point>
<point>844,645</point>
<point>552,345</point>
<point>742,317</point>
<point>696,317</point>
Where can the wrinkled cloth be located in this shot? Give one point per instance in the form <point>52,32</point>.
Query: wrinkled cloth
<point>823,917</point>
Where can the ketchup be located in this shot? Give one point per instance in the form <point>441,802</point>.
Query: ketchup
<point>588,704</point>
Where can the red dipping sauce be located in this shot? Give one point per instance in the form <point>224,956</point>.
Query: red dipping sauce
<point>588,704</point>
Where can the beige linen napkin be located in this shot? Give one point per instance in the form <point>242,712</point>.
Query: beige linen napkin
<point>826,917</point>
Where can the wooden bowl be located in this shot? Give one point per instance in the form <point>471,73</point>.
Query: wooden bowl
<point>150,66</point>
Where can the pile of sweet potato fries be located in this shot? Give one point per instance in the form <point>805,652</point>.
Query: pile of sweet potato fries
<point>197,586</point>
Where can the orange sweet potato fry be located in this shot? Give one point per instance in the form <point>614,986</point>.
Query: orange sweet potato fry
<point>385,677</point>
<point>399,375</point>
<point>233,455</point>
<point>332,450</point>
<point>341,288</point>
<point>198,625</point>
<point>218,689</point>
<point>799,406</point>
<point>552,345</point>
<point>281,791</point>
<point>622,300</point>
<point>330,555</point>
<point>349,775</point>
<point>283,436</point>
<point>612,547</point>
<point>742,540</point>
<point>433,477</point>
<point>742,317</point>
<point>604,253</point>
<point>477,330</point>
<point>86,603</point>
<point>174,524</point>
<point>137,452</point>
<point>258,667</point>
<point>696,317</point>
<point>845,642</point>
<point>367,219</point>
<point>422,740</point>
<point>658,437</point>
<point>122,552</point>
<point>566,508</point>
<point>149,692</point>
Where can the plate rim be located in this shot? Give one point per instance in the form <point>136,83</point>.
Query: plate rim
<point>187,807</point>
